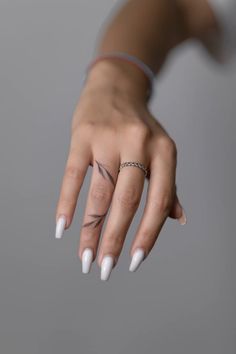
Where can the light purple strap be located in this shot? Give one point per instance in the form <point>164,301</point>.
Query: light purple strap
<point>130,58</point>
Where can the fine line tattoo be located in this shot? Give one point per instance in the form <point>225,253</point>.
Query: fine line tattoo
<point>97,220</point>
<point>105,174</point>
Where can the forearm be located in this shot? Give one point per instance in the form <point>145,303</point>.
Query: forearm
<point>149,30</point>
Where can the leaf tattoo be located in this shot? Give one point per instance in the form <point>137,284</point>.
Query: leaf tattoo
<point>89,223</point>
<point>100,170</point>
<point>105,173</point>
<point>97,220</point>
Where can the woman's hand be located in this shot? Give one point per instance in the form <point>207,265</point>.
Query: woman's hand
<point>111,125</point>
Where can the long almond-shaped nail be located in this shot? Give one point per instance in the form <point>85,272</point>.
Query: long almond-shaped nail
<point>182,219</point>
<point>87,258</point>
<point>106,267</point>
<point>137,259</point>
<point>60,227</point>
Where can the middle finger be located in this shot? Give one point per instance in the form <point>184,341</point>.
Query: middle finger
<point>102,185</point>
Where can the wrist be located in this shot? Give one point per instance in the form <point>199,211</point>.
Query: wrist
<point>119,76</point>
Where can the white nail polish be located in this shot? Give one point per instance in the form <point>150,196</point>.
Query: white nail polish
<point>106,267</point>
<point>137,259</point>
<point>183,219</point>
<point>61,222</point>
<point>87,258</point>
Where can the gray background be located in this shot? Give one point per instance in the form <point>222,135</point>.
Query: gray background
<point>183,297</point>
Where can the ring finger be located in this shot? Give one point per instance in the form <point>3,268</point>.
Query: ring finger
<point>125,202</point>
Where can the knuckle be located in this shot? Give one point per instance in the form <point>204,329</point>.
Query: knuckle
<point>66,203</point>
<point>147,233</point>
<point>115,242</point>
<point>168,147</point>
<point>81,127</point>
<point>72,171</point>
<point>99,192</point>
<point>162,204</point>
<point>129,199</point>
<point>140,133</point>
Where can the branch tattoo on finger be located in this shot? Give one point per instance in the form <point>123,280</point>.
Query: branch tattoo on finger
<point>105,173</point>
<point>97,220</point>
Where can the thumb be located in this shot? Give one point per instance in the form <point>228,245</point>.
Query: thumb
<point>177,212</point>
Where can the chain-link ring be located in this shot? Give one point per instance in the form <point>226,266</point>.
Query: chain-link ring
<point>134,164</point>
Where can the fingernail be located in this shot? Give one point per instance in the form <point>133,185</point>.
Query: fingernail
<point>61,223</point>
<point>87,258</point>
<point>183,219</point>
<point>137,259</point>
<point>106,267</point>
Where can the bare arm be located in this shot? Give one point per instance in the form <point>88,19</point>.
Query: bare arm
<point>150,29</point>
<point>112,124</point>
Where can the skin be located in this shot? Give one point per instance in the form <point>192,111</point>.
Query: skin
<point>112,124</point>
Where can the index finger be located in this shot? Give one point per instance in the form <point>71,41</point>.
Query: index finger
<point>75,170</point>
